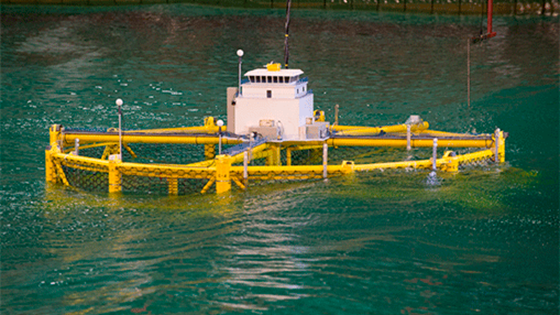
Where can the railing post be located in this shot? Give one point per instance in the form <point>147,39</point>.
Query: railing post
<point>408,138</point>
<point>325,159</point>
<point>77,146</point>
<point>502,147</point>
<point>434,155</point>
<point>245,166</point>
<point>499,147</point>
<point>115,176</point>
<point>223,178</point>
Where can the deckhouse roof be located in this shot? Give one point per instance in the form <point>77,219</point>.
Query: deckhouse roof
<point>281,72</point>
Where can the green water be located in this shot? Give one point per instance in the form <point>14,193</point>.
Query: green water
<point>484,241</point>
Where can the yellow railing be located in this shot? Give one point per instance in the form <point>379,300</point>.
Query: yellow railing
<point>221,170</point>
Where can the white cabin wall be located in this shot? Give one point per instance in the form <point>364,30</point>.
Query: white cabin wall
<point>290,112</point>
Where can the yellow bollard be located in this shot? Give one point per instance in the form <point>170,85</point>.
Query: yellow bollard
<point>347,167</point>
<point>54,134</point>
<point>451,163</point>
<point>223,178</point>
<point>115,176</point>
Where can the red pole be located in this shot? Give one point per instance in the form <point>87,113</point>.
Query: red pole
<point>489,11</point>
<point>489,32</point>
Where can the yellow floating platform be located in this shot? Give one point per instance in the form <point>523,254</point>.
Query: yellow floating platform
<point>202,159</point>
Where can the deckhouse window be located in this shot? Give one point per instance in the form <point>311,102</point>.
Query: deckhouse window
<point>281,79</point>
<point>269,93</point>
<point>275,79</point>
<point>258,79</point>
<point>252,78</point>
<point>287,79</point>
<point>269,79</point>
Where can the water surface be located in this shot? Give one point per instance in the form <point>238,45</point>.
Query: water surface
<point>483,241</point>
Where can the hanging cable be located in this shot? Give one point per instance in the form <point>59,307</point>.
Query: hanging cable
<point>287,34</point>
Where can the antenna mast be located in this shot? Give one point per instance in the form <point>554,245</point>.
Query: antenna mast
<point>286,48</point>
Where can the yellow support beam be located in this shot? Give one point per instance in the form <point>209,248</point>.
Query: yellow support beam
<point>238,182</point>
<point>60,173</point>
<point>50,166</point>
<point>208,185</point>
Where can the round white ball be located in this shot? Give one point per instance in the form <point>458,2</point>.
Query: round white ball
<point>240,53</point>
<point>220,123</point>
<point>119,102</point>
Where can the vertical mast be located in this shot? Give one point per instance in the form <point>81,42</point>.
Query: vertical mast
<point>286,48</point>
<point>489,33</point>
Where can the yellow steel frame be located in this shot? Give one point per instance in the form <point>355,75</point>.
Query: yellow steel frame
<point>221,170</point>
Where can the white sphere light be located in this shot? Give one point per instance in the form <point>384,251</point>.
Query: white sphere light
<point>240,53</point>
<point>220,123</point>
<point>119,102</point>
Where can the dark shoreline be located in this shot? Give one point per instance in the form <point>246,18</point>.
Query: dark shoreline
<point>455,7</point>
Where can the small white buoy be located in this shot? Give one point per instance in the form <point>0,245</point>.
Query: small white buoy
<point>119,102</point>
<point>240,53</point>
<point>220,123</point>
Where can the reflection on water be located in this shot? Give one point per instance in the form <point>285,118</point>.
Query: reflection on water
<point>484,240</point>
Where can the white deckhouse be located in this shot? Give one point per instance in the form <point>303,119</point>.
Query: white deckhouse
<point>275,103</point>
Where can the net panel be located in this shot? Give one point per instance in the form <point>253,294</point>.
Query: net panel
<point>83,175</point>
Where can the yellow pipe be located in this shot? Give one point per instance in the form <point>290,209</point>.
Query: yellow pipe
<point>404,164</point>
<point>69,138</point>
<point>355,142</point>
<point>447,134</point>
<point>159,170</point>
<point>294,169</point>
<point>358,130</point>
<point>81,159</point>
<point>194,129</point>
